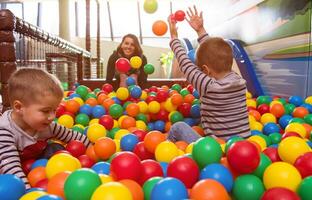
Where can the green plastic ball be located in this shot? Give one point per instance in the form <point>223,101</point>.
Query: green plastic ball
<point>82,119</point>
<point>267,139</point>
<point>115,110</point>
<point>264,163</point>
<point>82,90</point>
<point>296,120</point>
<point>176,87</point>
<point>81,184</point>
<point>263,100</point>
<point>184,92</point>
<point>78,129</point>
<point>90,95</point>
<point>150,6</point>
<point>305,188</point>
<point>248,187</point>
<point>141,117</point>
<point>289,108</point>
<point>149,185</point>
<point>308,119</point>
<point>275,138</point>
<point>113,132</point>
<point>149,68</point>
<point>176,117</point>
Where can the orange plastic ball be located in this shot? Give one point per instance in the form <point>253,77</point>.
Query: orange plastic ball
<point>91,153</point>
<point>101,97</point>
<point>35,175</point>
<point>176,99</point>
<point>104,148</point>
<point>199,130</point>
<point>159,28</point>
<point>128,122</point>
<point>91,101</point>
<point>56,184</point>
<point>72,106</point>
<point>189,98</point>
<point>300,112</point>
<point>135,189</point>
<point>133,109</point>
<point>152,139</point>
<point>277,110</point>
<point>181,145</point>
<point>255,114</point>
<point>209,189</point>
<point>107,103</point>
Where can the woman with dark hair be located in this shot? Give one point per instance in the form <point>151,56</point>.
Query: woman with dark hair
<point>128,48</point>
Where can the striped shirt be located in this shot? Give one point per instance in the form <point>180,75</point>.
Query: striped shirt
<point>13,140</point>
<point>223,101</point>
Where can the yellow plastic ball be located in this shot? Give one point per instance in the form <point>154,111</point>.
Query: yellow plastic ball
<point>254,125</point>
<point>154,107</point>
<point>169,106</point>
<point>115,123</point>
<point>281,174</point>
<point>189,148</point>
<point>251,118</point>
<point>259,140</point>
<point>166,151</point>
<point>33,195</point>
<point>79,126</point>
<point>105,178</point>
<point>143,106</point>
<point>251,103</point>
<point>66,120</point>
<point>248,95</point>
<point>275,102</point>
<point>65,94</point>
<point>308,100</point>
<point>112,190</point>
<point>79,100</point>
<point>122,93</point>
<point>223,147</point>
<point>291,148</point>
<point>120,133</point>
<point>143,95</point>
<point>141,125</point>
<point>120,120</point>
<point>297,128</point>
<point>94,121</point>
<point>61,162</point>
<point>117,142</point>
<point>111,94</point>
<point>135,62</point>
<point>180,152</point>
<point>267,117</point>
<point>96,131</point>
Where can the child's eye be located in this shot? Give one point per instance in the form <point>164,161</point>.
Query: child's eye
<point>45,111</point>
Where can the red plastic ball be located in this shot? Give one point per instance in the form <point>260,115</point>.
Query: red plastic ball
<point>161,96</point>
<point>140,134</point>
<point>179,15</point>
<point>289,134</point>
<point>190,88</point>
<point>304,164</point>
<point>107,88</point>
<point>279,193</point>
<point>150,168</point>
<point>263,108</point>
<point>150,99</point>
<point>85,161</point>
<point>185,109</point>
<point>60,110</point>
<point>272,153</point>
<point>42,184</point>
<point>123,65</point>
<point>126,165</point>
<point>141,151</point>
<point>76,148</point>
<point>243,157</point>
<point>26,165</point>
<point>107,121</point>
<point>162,115</point>
<point>185,169</point>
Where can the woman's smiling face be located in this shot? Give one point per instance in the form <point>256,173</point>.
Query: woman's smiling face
<point>128,47</point>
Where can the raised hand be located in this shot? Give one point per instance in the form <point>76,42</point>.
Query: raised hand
<point>195,20</point>
<point>173,27</point>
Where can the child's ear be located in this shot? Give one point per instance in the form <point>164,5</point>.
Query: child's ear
<point>17,105</point>
<point>206,69</point>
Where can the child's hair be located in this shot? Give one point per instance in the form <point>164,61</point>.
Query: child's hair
<point>27,84</point>
<point>215,53</point>
<point>137,51</point>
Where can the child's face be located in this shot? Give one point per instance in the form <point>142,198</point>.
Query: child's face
<point>128,47</point>
<point>38,115</point>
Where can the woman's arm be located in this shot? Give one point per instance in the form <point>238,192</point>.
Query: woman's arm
<point>142,79</point>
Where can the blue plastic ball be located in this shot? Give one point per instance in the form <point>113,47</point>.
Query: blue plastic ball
<point>136,92</point>
<point>219,173</point>
<point>116,100</point>
<point>168,189</point>
<point>307,106</point>
<point>150,126</point>
<point>73,95</point>
<point>195,111</point>
<point>11,187</point>
<point>85,109</point>
<point>255,132</point>
<point>39,163</point>
<point>98,111</point>
<point>49,197</point>
<point>271,128</point>
<point>101,167</point>
<point>296,100</point>
<point>130,81</point>
<point>191,55</point>
<point>284,121</point>
<point>196,94</point>
<point>128,142</point>
<point>159,125</point>
<point>164,167</point>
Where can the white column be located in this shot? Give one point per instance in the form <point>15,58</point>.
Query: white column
<point>64,27</point>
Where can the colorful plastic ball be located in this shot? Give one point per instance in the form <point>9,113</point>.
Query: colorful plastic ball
<point>168,189</point>
<point>130,81</point>
<point>135,189</point>
<point>136,92</point>
<point>104,148</point>
<point>291,148</point>
<point>263,100</point>
<point>101,168</point>
<point>150,169</point>
<point>264,163</point>
<point>248,187</point>
<point>279,193</point>
<point>61,162</point>
<point>296,100</point>
<point>267,118</point>
<point>243,157</point>
<point>122,65</point>
<point>206,146</point>
<point>75,148</point>
<point>72,106</point>
<point>82,90</point>
<point>177,87</point>
<point>277,110</point>
<point>33,195</point>
<point>300,112</point>
<point>142,152</point>
<point>98,111</point>
<point>107,121</point>
<point>66,120</point>
<point>49,197</point>
<point>272,153</point>
<point>149,68</point>
<point>159,125</point>
<point>166,151</point>
<point>11,187</point>
<point>304,164</point>
<point>96,131</point>
<point>185,169</point>
<point>149,186</point>
<point>150,6</point>
<point>152,139</point>
<point>275,138</point>
<point>179,15</point>
<point>126,165</point>
<point>122,93</point>
<point>135,62</point>
<point>259,141</point>
<point>175,116</point>
<point>154,107</point>
<point>128,142</point>
<point>209,189</point>
<point>270,127</point>
<point>218,173</point>
<point>304,190</point>
<point>297,128</point>
<point>107,88</point>
<point>115,111</point>
<point>284,121</point>
<point>159,28</point>
<point>281,174</point>
<point>195,111</point>
<point>191,54</point>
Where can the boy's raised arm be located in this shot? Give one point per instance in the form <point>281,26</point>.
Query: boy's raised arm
<point>196,21</point>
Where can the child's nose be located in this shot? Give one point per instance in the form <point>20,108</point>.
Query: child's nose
<point>51,116</point>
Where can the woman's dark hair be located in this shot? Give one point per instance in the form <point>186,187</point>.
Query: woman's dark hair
<point>138,50</point>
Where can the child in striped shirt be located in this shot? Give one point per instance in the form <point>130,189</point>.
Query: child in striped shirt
<point>24,130</point>
<point>222,91</point>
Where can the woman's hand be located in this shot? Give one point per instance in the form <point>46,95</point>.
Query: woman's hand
<point>123,77</point>
<point>195,20</point>
<point>173,27</point>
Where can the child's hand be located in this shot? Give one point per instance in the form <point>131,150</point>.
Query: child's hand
<point>195,21</point>
<point>172,27</point>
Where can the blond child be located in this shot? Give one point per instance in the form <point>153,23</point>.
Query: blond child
<point>24,130</point>
<point>222,91</point>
